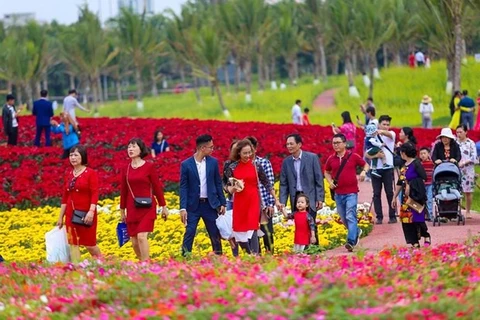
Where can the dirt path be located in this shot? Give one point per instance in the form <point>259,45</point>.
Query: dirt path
<point>391,234</point>
<point>325,100</point>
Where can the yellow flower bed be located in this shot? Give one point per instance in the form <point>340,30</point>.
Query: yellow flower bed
<point>22,236</point>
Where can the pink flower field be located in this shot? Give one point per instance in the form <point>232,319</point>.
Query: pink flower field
<point>437,283</point>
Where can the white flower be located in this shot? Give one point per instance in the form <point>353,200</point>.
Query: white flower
<point>2,307</point>
<point>44,298</point>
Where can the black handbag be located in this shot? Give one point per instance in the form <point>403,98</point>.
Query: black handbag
<point>335,180</point>
<point>78,217</point>
<point>139,202</point>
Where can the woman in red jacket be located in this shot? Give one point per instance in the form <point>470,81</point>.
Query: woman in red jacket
<point>81,194</point>
<point>140,183</point>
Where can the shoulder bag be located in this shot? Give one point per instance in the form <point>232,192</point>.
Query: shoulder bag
<point>335,180</point>
<point>140,202</point>
<point>78,217</point>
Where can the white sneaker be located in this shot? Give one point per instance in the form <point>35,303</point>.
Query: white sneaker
<point>359,235</point>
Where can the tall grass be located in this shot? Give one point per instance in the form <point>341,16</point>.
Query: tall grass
<point>401,89</point>
<point>267,106</point>
<point>398,93</point>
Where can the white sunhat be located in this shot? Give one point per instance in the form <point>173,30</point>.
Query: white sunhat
<point>446,132</point>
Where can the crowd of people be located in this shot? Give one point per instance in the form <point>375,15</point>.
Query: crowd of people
<point>246,187</point>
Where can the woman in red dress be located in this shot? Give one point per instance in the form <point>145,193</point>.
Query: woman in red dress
<point>80,193</point>
<point>247,201</point>
<point>140,180</point>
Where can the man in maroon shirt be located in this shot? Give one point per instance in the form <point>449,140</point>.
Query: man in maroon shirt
<point>344,182</point>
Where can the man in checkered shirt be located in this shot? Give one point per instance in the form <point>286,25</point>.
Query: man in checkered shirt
<point>268,201</point>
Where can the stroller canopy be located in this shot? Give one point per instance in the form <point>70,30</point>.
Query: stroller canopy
<point>446,169</point>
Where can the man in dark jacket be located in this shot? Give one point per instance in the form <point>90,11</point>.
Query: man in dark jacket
<point>10,120</point>
<point>43,111</point>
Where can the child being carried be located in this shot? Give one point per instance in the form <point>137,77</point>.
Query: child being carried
<point>374,147</point>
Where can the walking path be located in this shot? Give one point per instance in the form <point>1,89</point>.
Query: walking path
<point>391,234</point>
<point>325,100</point>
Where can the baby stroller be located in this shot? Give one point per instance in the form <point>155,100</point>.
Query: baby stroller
<point>447,191</point>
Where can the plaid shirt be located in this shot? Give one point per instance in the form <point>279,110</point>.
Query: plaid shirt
<point>267,199</point>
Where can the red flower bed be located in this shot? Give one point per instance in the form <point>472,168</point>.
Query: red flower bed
<point>33,176</point>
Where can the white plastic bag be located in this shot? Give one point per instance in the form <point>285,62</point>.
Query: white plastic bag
<point>224,225</point>
<point>57,246</point>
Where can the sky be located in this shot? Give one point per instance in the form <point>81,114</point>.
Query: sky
<point>66,11</point>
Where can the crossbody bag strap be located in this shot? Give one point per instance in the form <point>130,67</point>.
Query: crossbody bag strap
<point>342,165</point>
<point>385,146</point>
<point>128,184</point>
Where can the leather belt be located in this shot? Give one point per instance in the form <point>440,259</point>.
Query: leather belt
<point>203,199</point>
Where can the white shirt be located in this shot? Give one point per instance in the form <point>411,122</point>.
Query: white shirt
<point>373,121</point>
<point>14,116</point>
<point>296,114</point>
<point>390,143</point>
<point>419,57</point>
<point>69,105</point>
<point>426,110</point>
<point>297,164</point>
<point>202,174</point>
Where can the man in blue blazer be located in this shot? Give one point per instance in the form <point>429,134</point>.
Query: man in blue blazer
<point>201,194</point>
<point>43,111</point>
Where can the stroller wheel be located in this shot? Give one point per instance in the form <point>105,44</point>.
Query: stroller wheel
<point>434,221</point>
<point>459,218</point>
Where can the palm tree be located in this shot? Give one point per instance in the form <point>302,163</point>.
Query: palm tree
<point>442,20</point>
<point>137,40</point>
<point>245,24</point>
<point>290,36</point>
<point>375,25</point>
<point>24,57</point>
<point>210,51</point>
<point>178,38</point>
<point>315,13</point>
<point>342,22</point>
<point>406,26</point>
<point>86,49</point>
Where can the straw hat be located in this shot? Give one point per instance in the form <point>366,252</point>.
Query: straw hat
<point>426,99</point>
<point>446,132</point>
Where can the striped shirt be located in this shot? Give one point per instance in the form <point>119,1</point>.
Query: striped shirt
<point>428,166</point>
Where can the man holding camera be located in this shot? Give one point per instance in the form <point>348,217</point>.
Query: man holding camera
<point>341,174</point>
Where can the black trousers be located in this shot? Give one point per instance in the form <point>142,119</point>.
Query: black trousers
<point>386,181</point>
<point>13,137</point>
<point>268,237</point>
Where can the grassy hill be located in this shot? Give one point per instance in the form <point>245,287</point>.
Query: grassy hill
<point>398,93</point>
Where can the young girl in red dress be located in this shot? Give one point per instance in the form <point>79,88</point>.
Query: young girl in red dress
<point>304,225</point>
<point>80,193</point>
<point>140,180</point>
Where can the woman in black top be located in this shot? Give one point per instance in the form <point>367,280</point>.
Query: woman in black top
<point>447,149</point>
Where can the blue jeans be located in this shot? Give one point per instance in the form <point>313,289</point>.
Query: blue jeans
<point>467,119</point>
<point>209,217</point>
<point>347,209</point>
<point>429,190</point>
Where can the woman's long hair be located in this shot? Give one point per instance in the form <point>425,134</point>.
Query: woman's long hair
<point>452,101</point>
<point>346,117</point>
<point>409,134</point>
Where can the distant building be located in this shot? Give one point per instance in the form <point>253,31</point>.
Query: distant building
<point>17,19</point>
<point>138,6</point>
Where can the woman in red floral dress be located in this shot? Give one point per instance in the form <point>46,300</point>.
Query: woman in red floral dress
<point>247,201</point>
<point>140,180</point>
<point>80,193</point>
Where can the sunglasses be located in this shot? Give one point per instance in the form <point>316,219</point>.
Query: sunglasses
<point>72,183</point>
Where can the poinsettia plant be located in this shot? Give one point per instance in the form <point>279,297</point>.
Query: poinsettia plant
<point>34,176</point>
